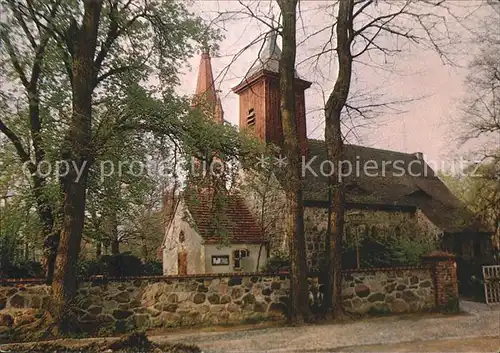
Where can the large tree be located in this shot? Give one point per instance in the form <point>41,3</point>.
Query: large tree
<point>105,48</point>
<point>480,125</point>
<point>23,53</point>
<point>334,147</point>
<point>368,29</point>
<point>299,309</point>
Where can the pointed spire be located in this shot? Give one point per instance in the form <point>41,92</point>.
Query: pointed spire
<point>219,112</point>
<point>271,50</point>
<point>269,56</point>
<point>205,84</point>
<point>206,97</point>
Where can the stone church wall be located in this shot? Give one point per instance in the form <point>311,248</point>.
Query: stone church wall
<point>359,223</point>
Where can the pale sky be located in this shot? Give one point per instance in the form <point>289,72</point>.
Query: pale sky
<point>424,126</point>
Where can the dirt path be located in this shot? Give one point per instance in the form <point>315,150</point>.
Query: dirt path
<point>476,344</point>
<point>477,330</point>
<point>385,331</point>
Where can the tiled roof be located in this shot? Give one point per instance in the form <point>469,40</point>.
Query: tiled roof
<point>226,221</point>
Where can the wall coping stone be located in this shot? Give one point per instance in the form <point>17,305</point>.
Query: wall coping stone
<point>438,255</point>
<point>14,281</point>
<point>385,269</point>
<point>131,278</point>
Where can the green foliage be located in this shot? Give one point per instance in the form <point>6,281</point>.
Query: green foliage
<point>137,115</point>
<point>152,268</point>
<point>19,234</point>
<point>470,280</point>
<point>279,260</point>
<point>389,251</point>
<point>121,265</point>
<point>479,189</point>
<point>452,306</point>
<point>25,269</point>
<point>409,252</point>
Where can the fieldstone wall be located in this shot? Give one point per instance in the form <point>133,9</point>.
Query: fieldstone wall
<point>380,291</point>
<point>106,306</point>
<point>377,224</point>
<point>119,306</point>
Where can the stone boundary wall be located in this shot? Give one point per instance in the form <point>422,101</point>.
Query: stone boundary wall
<point>123,304</point>
<point>382,291</point>
<point>103,306</point>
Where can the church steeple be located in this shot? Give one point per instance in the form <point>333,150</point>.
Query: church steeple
<point>259,95</point>
<point>206,97</point>
<point>269,56</point>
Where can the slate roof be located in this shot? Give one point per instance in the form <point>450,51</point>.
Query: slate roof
<point>397,187</point>
<point>231,220</point>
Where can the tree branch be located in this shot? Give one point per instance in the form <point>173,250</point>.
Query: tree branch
<point>23,155</point>
<point>14,59</point>
<point>114,71</point>
<point>22,23</point>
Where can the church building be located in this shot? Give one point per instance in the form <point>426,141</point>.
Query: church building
<point>399,196</point>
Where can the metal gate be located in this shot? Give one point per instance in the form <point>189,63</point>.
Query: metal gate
<point>491,275</point>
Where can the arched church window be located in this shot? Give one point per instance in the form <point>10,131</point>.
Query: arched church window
<point>182,237</point>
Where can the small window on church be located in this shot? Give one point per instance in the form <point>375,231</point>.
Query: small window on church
<point>251,117</point>
<point>182,237</point>
<point>238,255</point>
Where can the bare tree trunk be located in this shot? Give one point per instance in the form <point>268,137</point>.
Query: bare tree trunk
<point>258,257</point>
<point>144,247</point>
<point>115,247</point>
<point>299,310</point>
<point>115,242</point>
<point>83,41</point>
<point>334,147</point>
<point>262,227</point>
<point>98,249</point>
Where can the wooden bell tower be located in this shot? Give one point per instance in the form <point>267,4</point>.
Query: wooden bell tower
<point>260,98</point>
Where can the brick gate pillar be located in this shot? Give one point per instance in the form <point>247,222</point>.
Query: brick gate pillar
<point>444,272</point>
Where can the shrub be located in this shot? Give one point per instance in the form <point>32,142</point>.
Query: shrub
<point>470,279</point>
<point>390,252</point>
<point>152,268</point>
<point>25,269</point>
<point>87,268</point>
<point>277,261</point>
<point>121,265</point>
